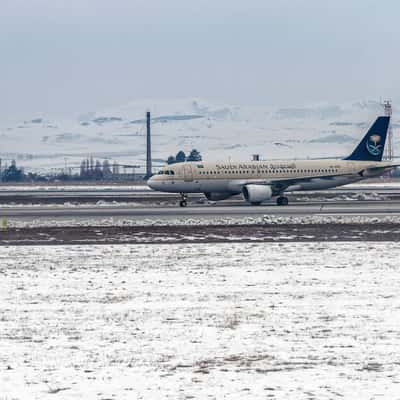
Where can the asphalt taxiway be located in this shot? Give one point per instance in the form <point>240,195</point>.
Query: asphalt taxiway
<point>351,207</point>
<point>141,203</point>
<point>144,218</point>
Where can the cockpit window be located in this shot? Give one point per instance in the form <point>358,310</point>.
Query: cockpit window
<point>166,172</point>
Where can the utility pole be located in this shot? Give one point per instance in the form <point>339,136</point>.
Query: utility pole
<point>149,169</point>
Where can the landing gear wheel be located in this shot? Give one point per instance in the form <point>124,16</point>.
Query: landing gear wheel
<point>282,201</point>
<point>183,202</point>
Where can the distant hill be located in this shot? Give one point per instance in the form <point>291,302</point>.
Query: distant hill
<point>218,131</point>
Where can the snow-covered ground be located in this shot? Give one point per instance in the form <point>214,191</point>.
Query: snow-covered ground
<point>28,222</point>
<point>73,188</point>
<point>69,204</point>
<point>233,321</point>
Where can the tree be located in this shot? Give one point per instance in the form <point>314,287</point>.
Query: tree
<point>13,174</point>
<point>98,173</point>
<point>171,160</point>
<point>180,156</point>
<point>106,170</point>
<point>83,169</point>
<point>194,156</point>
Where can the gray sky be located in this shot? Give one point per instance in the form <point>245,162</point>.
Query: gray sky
<point>71,56</point>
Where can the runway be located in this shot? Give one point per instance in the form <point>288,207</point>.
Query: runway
<point>139,203</point>
<point>146,219</point>
<point>352,207</point>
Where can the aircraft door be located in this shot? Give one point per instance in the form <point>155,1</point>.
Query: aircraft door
<point>187,173</point>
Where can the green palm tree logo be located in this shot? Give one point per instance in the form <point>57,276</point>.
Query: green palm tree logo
<point>373,145</point>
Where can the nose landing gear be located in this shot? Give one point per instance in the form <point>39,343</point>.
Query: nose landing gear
<point>183,202</point>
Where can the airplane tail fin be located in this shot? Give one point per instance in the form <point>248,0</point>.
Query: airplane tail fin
<point>372,145</point>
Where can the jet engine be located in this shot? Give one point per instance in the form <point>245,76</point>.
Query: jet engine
<point>256,194</point>
<point>371,172</point>
<point>215,196</point>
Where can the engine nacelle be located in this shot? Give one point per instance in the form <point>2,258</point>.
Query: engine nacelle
<point>371,172</point>
<point>256,194</point>
<point>215,196</point>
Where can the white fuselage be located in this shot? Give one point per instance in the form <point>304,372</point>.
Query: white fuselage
<point>230,177</point>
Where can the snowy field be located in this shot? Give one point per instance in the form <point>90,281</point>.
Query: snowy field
<point>72,188</point>
<point>266,219</point>
<point>232,321</point>
<point>219,131</point>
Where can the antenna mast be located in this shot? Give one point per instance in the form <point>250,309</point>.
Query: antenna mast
<point>387,107</point>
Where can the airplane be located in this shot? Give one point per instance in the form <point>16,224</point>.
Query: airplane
<point>260,181</point>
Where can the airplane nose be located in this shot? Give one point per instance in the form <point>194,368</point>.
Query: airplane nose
<point>152,183</point>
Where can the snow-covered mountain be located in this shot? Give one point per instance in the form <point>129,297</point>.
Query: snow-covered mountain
<point>219,132</point>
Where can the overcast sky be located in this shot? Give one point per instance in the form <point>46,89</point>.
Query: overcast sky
<point>71,56</point>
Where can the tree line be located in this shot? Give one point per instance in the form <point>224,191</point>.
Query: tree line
<point>194,155</point>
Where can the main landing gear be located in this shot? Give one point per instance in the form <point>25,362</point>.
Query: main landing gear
<point>183,202</point>
<point>282,201</point>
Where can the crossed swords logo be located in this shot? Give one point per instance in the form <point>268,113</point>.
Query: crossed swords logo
<point>372,145</point>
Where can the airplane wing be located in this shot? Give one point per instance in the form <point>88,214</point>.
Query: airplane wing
<point>281,184</point>
<point>376,170</point>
